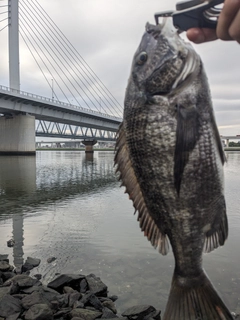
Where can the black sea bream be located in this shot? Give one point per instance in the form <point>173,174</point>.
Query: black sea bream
<point>170,158</point>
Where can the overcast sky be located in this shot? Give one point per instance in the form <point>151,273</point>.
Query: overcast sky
<point>107,33</point>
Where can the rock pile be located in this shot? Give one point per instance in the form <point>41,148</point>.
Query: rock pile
<point>69,296</point>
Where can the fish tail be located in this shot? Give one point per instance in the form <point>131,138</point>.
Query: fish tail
<point>195,299</point>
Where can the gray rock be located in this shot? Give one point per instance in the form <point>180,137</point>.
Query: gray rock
<point>73,297</point>
<point>138,312</point>
<point>33,299</point>
<point>19,296</point>
<point>13,316</point>
<point>83,286</point>
<point>54,305</point>
<point>4,291</point>
<point>90,299</point>
<point>18,269</point>
<point>78,304</point>
<point>10,243</point>
<point>30,263</point>
<point>96,285</point>
<point>38,276</point>
<point>113,298</point>
<point>21,280</point>
<point>63,280</point>
<point>4,266</point>
<point>110,305</point>
<point>108,314</point>
<point>85,314</point>
<point>156,315</point>
<point>4,257</point>
<point>33,261</point>
<point>62,312</point>
<point>7,275</point>
<point>67,289</point>
<point>49,294</point>
<point>39,312</point>
<point>51,259</point>
<point>30,290</point>
<point>14,289</point>
<point>9,306</point>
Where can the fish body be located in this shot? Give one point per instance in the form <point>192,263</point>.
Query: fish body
<point>170,158</point>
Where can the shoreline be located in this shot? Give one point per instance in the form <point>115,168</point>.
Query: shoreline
<point>74,149</point>
<point>67,296</point>
<point>110,149</point>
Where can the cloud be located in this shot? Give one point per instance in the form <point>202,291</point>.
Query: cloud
<point>107,33</point>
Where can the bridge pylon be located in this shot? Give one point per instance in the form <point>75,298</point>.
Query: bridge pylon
<point>17,135</point>
<point>17,130</point>
<point>89,145</point>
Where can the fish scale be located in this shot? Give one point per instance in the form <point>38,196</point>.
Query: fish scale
<point>170,158</point>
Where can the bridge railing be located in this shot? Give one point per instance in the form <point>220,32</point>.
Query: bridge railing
<point>56,102</point>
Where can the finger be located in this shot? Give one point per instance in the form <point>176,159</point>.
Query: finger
<point>198,35</point>
<point>229,11</point>
<point>234,30</point>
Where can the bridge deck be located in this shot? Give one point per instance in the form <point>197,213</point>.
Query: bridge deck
<point>14,101</point>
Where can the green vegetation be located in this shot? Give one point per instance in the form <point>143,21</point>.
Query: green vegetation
<point>73,149</point>
<point>234,144</point>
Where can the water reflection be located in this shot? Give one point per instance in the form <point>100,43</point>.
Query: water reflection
<point>57,176</point>
<point>17,179</point>
<point>29,183</point>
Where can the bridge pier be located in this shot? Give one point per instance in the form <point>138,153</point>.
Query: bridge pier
<point>89,145</point>
<point>17,135</point>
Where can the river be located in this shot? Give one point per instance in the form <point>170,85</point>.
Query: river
<point>68,205</point>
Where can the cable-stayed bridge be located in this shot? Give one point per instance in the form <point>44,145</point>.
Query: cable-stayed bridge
<point>80,107</point>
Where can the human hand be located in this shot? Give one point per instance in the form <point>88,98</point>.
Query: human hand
<point>228,27</point>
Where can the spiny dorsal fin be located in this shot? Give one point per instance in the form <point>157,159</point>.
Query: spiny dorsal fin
<point>129,180</point>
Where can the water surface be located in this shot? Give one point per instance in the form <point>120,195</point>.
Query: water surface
<point>70,206</point>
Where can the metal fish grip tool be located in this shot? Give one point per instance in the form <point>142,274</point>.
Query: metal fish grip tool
<point>193,14</point>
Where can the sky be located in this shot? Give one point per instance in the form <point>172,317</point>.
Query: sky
<point>107,33</point>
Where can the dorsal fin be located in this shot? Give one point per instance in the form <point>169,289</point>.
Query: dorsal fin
<point>129,180</point>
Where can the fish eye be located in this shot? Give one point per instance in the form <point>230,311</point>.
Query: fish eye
<point>142,58</point>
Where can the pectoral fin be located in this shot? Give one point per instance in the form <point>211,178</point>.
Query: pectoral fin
<point>217,230</point>
<point>186,137</point>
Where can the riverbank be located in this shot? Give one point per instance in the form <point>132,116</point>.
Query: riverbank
<point>109,149</point>
<point>68,296</point>
<point>73,149</point>
<point>232,149</point>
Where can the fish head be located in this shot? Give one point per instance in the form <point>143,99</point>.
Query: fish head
<point>163,60</point>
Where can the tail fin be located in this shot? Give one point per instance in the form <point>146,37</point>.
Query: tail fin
<point>195,299</point>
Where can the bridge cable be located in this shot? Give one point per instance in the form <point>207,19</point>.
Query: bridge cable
<point>55,41</point>
<point>37,53</point>
<point>4,27</point>
<point>26,43</point>
<point>52,46</point>
<point>37,37</point>
<point>74,49</point>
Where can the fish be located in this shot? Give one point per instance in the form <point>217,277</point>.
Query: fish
<point>170,158</point>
